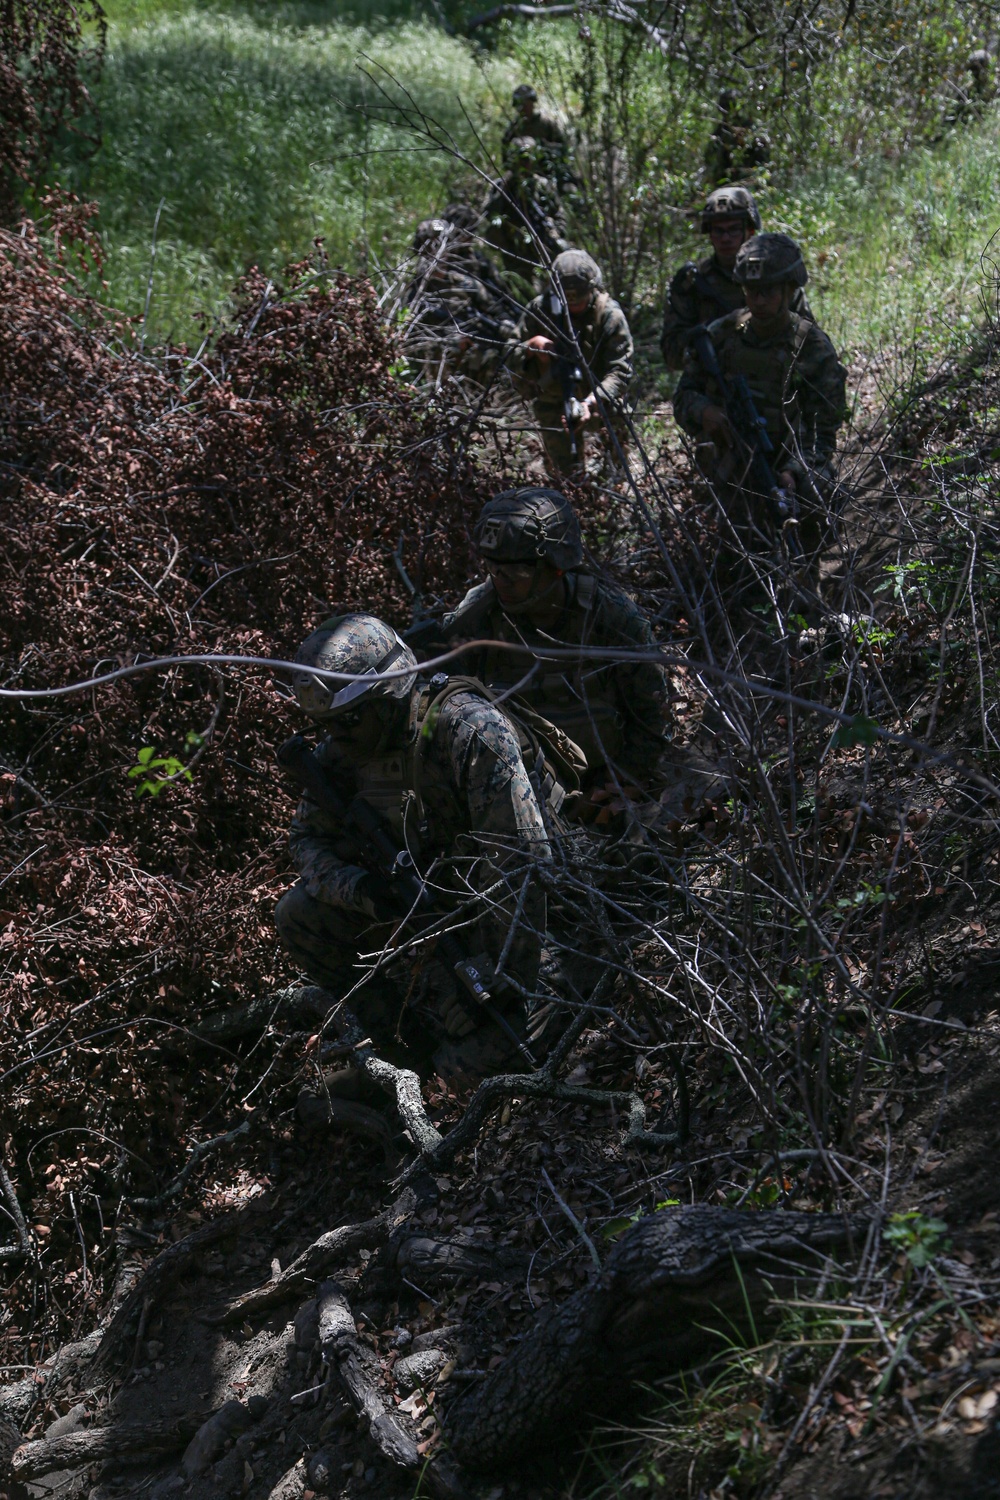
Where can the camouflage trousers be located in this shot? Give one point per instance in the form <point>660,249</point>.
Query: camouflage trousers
<point>325,942</point>
<point>556,440</point>
<point>402,1016</point>
<point>757,544</point>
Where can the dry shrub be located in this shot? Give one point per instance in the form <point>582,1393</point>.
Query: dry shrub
<point>172,504</point>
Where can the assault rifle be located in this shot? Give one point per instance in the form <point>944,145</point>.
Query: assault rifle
<point>424,634</point>
<point>751,430</point>
<point>396,868</point>
<point>568,369</point>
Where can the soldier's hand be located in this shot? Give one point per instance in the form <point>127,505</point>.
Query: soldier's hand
<point>715,425</point>
<point>456,1019</point>
<point>588,410</point>
<point>376,899</point>
<point>540,348</point>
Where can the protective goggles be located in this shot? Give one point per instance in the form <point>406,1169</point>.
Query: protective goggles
<point>320,698</point>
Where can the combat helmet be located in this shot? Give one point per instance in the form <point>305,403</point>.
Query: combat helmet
<point>577,271</point>
<point>529,525</point>
<point>364,648</point>
<point>770,260</point>
<point>428,231</point>
<point>730,203</point>
<point>523,93</point>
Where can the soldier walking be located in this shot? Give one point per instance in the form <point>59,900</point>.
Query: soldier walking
<point>704,290</point>
<point>797,386</point>
<point>523,219</point>
<point>571,357</point>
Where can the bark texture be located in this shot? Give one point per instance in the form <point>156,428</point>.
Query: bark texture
<point>672,1277</point>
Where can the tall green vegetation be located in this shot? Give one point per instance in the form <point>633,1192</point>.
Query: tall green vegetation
<point>259,132</point>
<point>252,132</point>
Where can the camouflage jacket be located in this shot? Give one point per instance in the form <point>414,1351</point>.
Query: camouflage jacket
<point>517,203</point>
<point>796,380</point>
<point>543,125</point>
<point>699,293</point>
<point>605,341</point>
<point>734,149</point>
<point>455,793</point>
<point>617,712</point>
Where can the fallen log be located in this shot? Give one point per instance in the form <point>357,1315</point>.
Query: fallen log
<point>96,1444</point>
<point>346,1358</point>
<point>673,1280</point>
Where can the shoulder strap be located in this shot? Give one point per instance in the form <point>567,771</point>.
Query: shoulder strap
<point>554,760</point>
<point>585,590</point>
<point>800,334</point>
<point>599,305</point>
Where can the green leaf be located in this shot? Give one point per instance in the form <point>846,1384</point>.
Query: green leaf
<point>859,730</point>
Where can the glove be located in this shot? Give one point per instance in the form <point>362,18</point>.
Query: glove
<point>455,1018</point>
<point>376,898</point>
<point>715,425</point>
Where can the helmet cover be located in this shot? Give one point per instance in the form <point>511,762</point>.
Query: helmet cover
<point>730,203</point>
<point>527,525</point>
<point>577,271</point>
<point>770,260</point>
<point>361,647</point>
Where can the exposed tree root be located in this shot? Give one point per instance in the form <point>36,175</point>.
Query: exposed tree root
<point>323,1255</point>
<point>168,1263</point>
<point>346,1357</point>
<point>672,1279</point>
<point>75,1449</point>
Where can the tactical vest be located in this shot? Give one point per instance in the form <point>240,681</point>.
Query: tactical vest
<point>549,384</point>
<point>579,700</point>
<point>395,784</point>
<point>767,371</point>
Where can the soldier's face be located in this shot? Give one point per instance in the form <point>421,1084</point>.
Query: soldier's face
<point>357,731</point>
<point>727,235</point>
<point>519,583</point>
<point>767,304</point>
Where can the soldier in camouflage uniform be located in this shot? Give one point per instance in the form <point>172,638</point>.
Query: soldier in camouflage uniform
<point>734,149</point>
<point>539,592</point>
<point>523,216</point>
<point>543,126</point>
<point>573,326</point>
<point>704,290</point>
<point>797,384</point>
<point>444,768</point>
<point>460,315</point>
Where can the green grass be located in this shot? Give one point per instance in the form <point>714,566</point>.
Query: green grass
<point>249,126</point>
<point>247,120</point>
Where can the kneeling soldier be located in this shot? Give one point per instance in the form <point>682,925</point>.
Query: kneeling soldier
<point>443,770</point>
